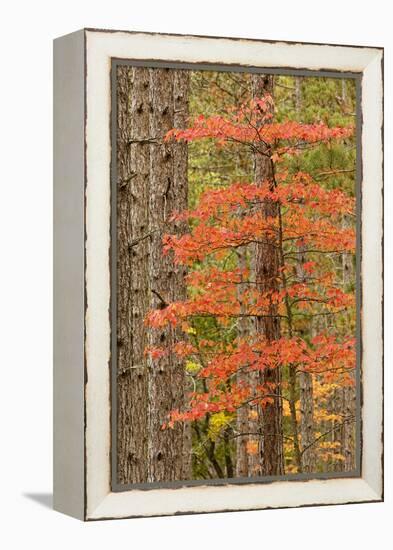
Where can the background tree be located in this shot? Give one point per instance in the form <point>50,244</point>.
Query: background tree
<point>267,272</point>
<point>307,427</point>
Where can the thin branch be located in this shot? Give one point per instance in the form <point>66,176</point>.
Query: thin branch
<point>349,420</point>
<point>333,173</point>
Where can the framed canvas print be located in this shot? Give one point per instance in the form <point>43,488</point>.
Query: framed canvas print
<point>218,274</point>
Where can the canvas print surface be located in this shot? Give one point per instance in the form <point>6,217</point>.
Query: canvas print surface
<point>235,294</point>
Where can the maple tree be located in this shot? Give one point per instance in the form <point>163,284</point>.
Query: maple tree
<point>305,223</point>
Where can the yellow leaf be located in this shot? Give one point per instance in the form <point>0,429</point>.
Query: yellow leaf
<point>252,447</point>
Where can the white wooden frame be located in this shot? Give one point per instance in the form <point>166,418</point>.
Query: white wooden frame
<point>82,485</point>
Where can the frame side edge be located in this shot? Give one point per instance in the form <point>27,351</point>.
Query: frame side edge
<point>373,269</point>
<point>68,271</point>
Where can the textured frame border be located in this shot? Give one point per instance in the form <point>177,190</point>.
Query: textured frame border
<point>97,500</point>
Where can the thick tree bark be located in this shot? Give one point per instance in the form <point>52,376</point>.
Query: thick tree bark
<point>267,273</point>
<point>152,182</point>
<point>168,450</point>
<point>133,162</point>
<point>181,87</point>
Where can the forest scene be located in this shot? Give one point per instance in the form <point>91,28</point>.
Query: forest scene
<point>235,275</point>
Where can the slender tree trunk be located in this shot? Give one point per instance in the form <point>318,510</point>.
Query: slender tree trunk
<point>152,182</point>
<point>298,93</point>
<point>307,428</point>
<point>348,393</point>
<point>344,91</point>
<point>307,421</point>
<point>337,434</point>
<point>242,420</point>
<point>168,450</point>
<point>348,435</point>
<point>132,272</point>
<point>344,400</point>
<point>307,424</point>
<point>247,417</point>
<point>267,274</point>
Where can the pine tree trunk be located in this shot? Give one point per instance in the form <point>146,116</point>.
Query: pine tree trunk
<point>168,450</point>
<point>152,182</point>
<point>132,272</point>
<point>266,274</point>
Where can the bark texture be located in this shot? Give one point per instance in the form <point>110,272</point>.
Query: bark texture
<point>266,273</point>
<point>167,449</point>
<point>152,181</point>
<point>133,161</point>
